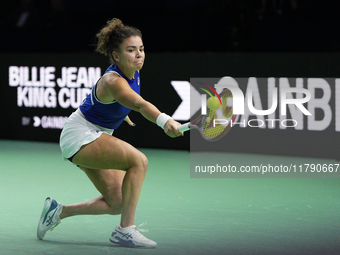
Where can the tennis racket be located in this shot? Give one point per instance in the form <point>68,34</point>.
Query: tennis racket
<point>216,123</point>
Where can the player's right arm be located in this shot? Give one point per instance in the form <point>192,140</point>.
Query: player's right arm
<point>118,89</point>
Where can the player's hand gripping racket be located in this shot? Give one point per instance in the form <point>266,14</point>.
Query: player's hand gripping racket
<point>216,123</point>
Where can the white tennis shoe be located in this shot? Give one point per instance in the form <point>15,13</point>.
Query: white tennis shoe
<point>49,218</point>
<point>130,237</point>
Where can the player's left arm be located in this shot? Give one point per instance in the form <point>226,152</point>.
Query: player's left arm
<point>129,121</point>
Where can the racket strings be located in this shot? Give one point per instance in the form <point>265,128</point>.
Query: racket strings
<point>211,128</point>
<point>227,110</point>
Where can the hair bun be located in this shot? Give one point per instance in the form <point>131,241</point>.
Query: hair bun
<point>112,35</point>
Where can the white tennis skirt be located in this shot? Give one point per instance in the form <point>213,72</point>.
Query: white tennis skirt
<point>77,132</point>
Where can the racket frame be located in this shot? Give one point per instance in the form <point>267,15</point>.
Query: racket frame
<point>193,124</point>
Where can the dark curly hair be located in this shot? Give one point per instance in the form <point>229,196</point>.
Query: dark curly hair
<point>112,35</point>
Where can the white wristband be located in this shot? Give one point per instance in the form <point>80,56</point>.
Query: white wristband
<point>162,119</point>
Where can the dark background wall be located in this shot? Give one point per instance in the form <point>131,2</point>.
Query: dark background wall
<point>173,25</point>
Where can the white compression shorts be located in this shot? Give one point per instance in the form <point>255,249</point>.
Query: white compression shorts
<point>77,132</point>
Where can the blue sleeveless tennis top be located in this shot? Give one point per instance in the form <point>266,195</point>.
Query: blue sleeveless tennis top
<point>108,115</point>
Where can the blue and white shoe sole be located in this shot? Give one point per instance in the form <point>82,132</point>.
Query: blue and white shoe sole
<point>127,243</point>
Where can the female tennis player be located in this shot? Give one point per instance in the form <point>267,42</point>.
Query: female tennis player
<point>116,168</point>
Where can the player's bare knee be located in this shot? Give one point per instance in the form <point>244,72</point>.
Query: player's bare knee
<point>144,161</point>
<point>139,163</point>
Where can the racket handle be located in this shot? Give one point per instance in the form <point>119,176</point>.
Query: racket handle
<point>184,127</point>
